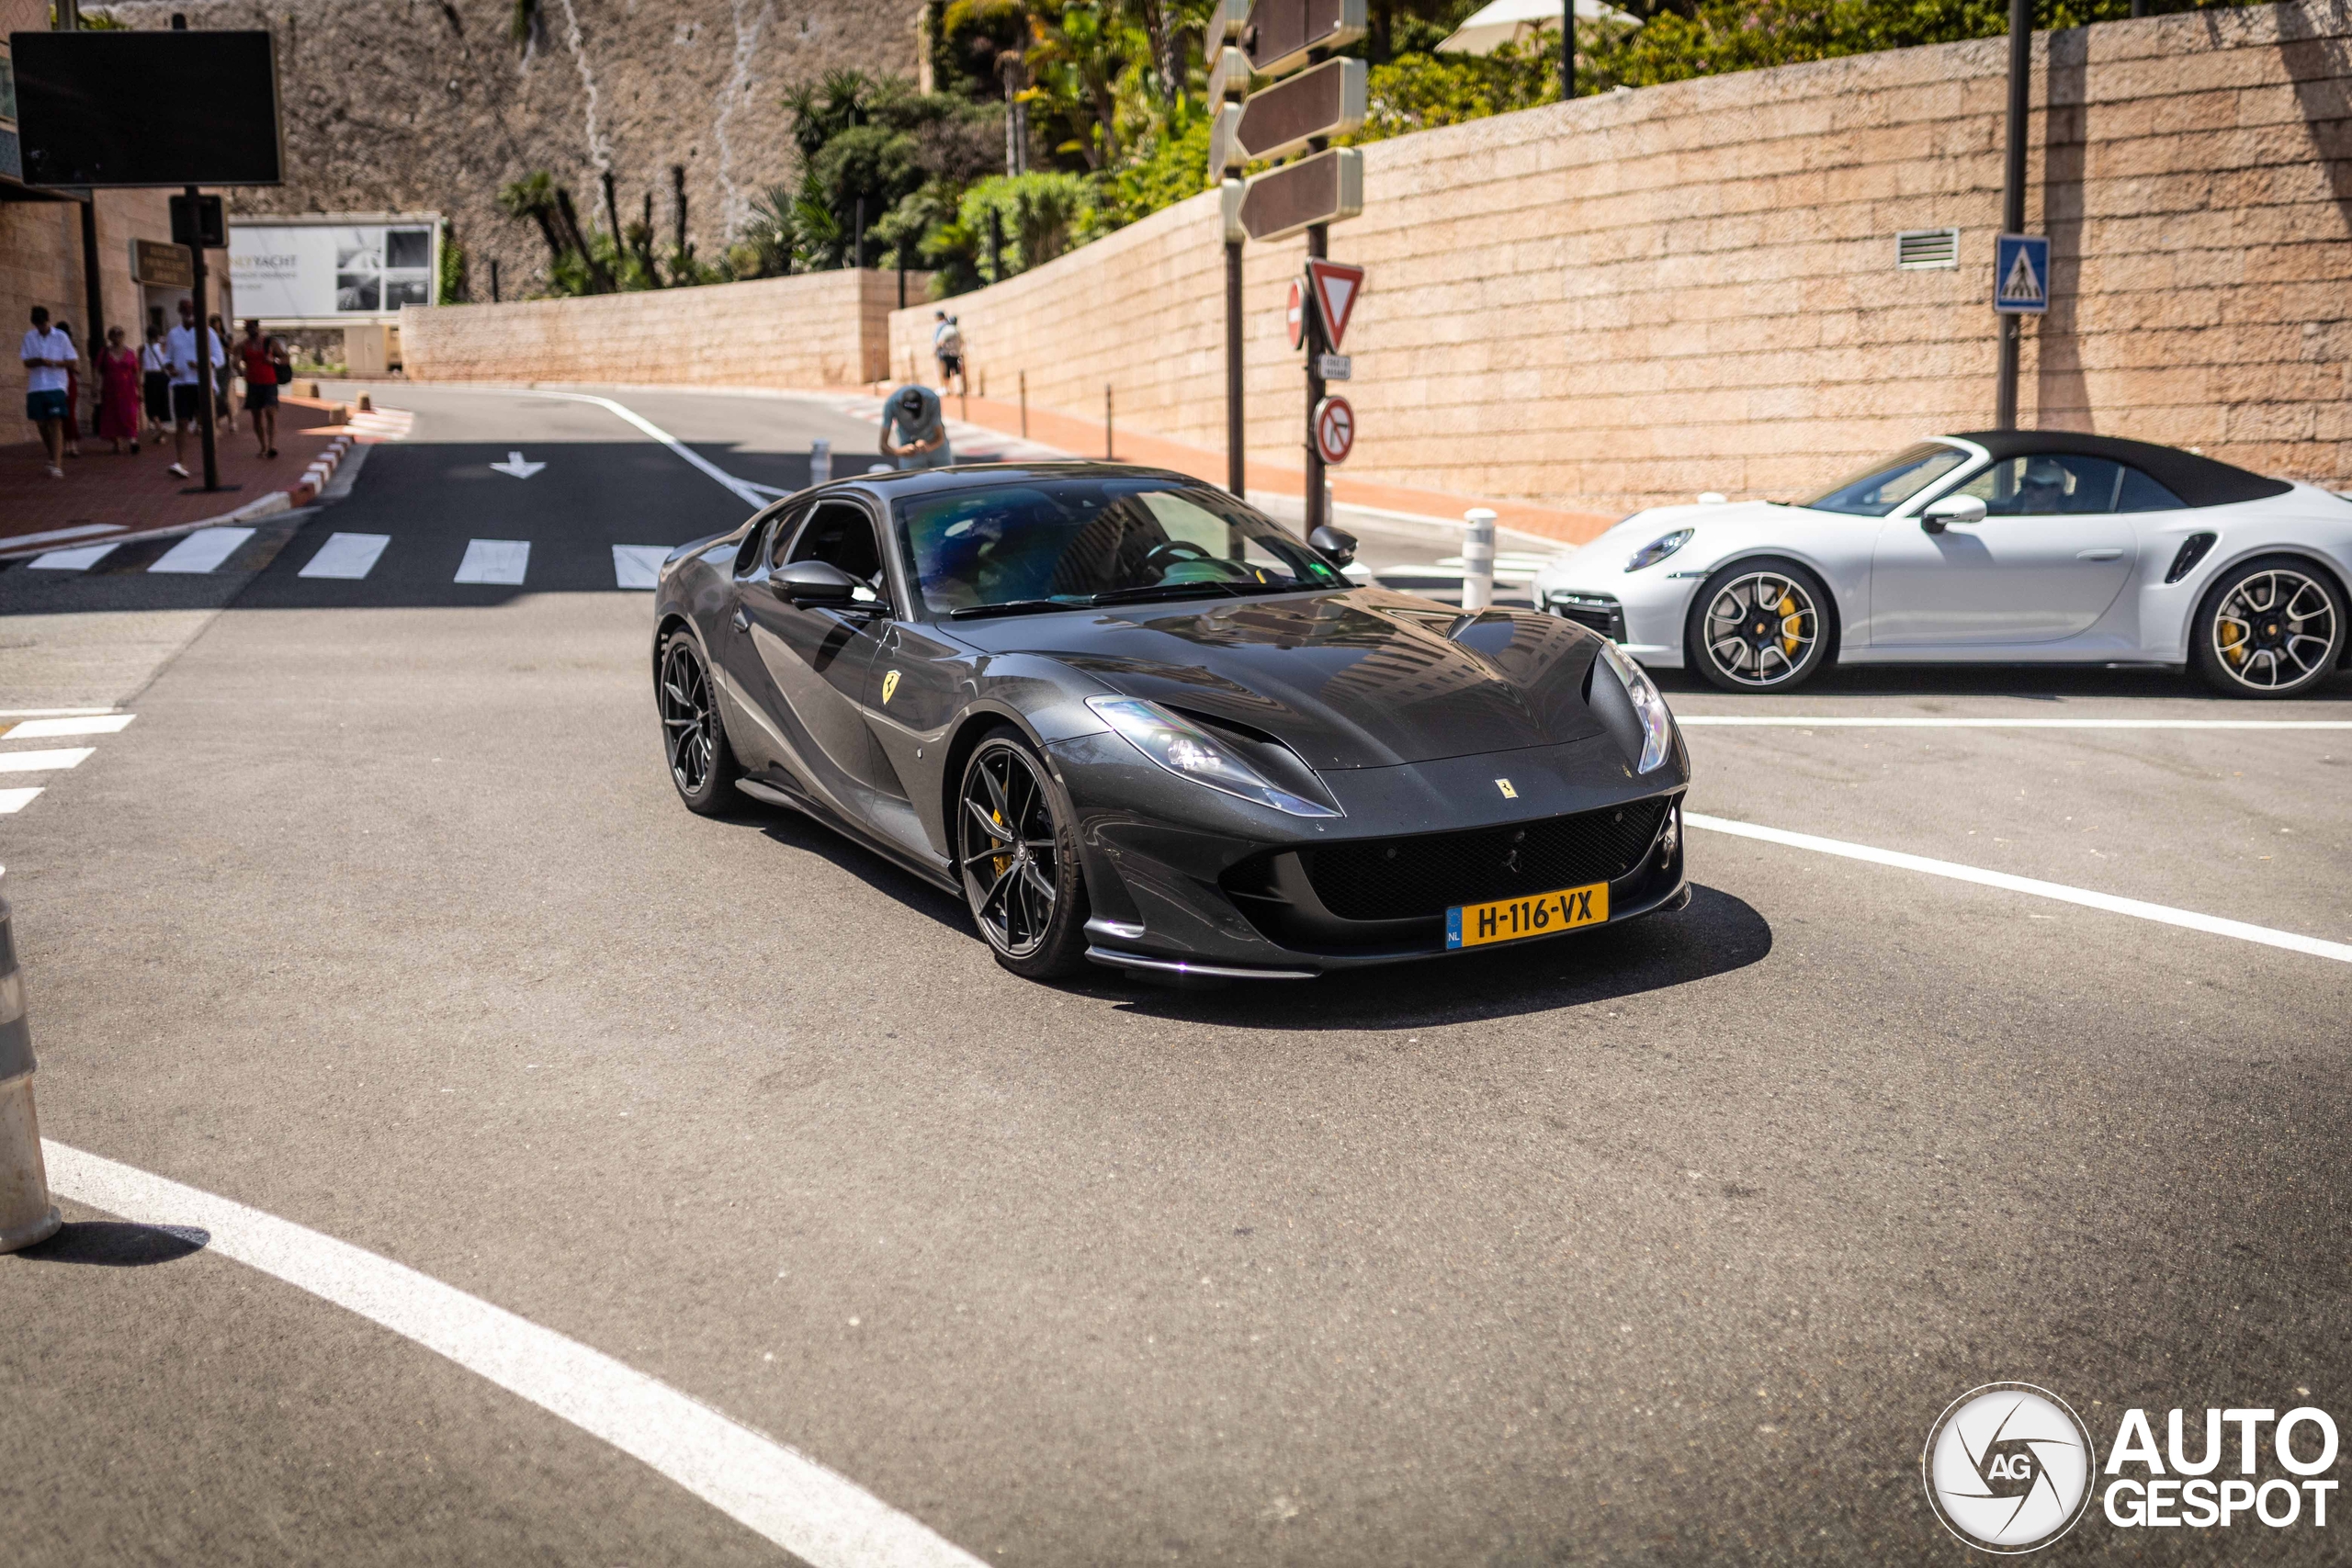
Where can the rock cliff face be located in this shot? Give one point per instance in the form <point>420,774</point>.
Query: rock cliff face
<point>431,105</point>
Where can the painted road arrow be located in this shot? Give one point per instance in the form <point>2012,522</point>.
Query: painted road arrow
<point>1322,189</point>
<point>515,465</point>
<point>1325,101</point>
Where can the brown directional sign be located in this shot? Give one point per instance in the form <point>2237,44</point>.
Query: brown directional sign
<point>1325,101</point>
<point>1322,189</point>
<point>1280,32</point>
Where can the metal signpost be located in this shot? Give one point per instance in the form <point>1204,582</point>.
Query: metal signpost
<point>198,223</point>
<point>1319,98</point>
<point>2005,396</point>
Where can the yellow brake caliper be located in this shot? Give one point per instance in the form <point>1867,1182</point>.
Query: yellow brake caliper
<point>1001,864</point>
<point>1787,609</point>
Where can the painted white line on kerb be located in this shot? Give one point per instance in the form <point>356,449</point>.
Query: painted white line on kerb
<point>1775,721</point>
<point>786,1496</point>
<point>2161,913</point>
<point>749,494</point>
<point>61,729</point>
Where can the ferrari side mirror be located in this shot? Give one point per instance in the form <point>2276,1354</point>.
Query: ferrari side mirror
<point>1338,545</point>
<point>1940,514</point>
<point>813,582</point>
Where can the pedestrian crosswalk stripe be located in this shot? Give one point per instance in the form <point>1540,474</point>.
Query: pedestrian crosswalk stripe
<point>58,728</point>
<point>14,800</point>
<point>80,559</point>
<point>502,561</point>
<point>638,566</point>
<point>346,556</point>
<point>57,760</point>
<point>203,550</point>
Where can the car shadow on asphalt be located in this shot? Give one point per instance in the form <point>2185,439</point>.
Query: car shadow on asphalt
<point>1717,933</point>
<point>118,1244</point>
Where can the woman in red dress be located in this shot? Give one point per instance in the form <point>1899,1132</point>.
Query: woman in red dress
<point>118,392</point>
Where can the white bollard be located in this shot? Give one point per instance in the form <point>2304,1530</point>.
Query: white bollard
<point>1477,559</point>
<point>26,1213</point>
<point>821,461</point>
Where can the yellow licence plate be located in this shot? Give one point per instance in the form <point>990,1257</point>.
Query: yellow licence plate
<point>1539,914</point>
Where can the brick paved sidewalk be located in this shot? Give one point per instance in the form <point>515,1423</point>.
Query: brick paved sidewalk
<point>103,496</point>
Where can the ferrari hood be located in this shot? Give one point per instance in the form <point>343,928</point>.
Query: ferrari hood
<point>1357,678</point>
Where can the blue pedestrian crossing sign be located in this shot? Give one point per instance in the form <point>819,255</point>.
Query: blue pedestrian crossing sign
<point>2021,274</point>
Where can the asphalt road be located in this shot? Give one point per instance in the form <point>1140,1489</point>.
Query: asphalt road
<point>1667,1244</point>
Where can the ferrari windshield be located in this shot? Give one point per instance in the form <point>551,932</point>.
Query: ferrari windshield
<point>1065,543</point>
<point>1878,489</point>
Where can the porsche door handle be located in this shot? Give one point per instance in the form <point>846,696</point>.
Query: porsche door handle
<point>742,621</point>
<point>2105,552</point>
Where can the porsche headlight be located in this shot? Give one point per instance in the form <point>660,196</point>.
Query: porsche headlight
<point>1188,752</point>
<point>1657,725</point>
<point>1658,551</point>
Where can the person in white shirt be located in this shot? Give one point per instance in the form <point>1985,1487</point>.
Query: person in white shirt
<point>179,349</point>
<point>47,354</point>
<point>155,383</point>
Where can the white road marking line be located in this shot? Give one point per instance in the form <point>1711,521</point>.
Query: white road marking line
<point>495,561</point>
<point>2161,913</point>
<point>202,551</point>
<point>14,800</point>
<point>57,760</point>
<point>1777,721</point>
<point>743,491</point>
<point>784,1496</point>
<point>80,559</point>
<point>349,556</point>
<point>83,532</point>
<point>58,728</point>
<point>51,713</point>
<point>638,566</point>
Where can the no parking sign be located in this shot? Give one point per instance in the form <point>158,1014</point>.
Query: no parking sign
<point>1335,429</point>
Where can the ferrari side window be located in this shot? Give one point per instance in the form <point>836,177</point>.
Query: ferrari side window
<point>842,536</point>
<point>764,530</point>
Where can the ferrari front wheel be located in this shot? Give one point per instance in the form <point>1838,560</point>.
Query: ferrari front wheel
<point>2273,627</point>
<point>1017,857</point>
<point>1759,625</point>
<point>702,765</point>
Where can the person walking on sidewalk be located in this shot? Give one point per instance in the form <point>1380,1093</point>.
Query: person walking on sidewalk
<point>914,431</point>
<point>48,355</point>
<point>259,356</point>
<point>947,343</point>
<point>155,383</point>
<point>72,392</point>
<point>118,392</point>
<point>187,384</point>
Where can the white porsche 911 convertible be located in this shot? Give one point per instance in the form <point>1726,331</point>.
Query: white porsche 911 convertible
<point>2004,547</point>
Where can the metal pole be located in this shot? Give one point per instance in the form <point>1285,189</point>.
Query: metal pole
<point>1110,449</point>
<point>1317,495</point>
<point>1024,405</point>
<point>94,339</point>
<point>1567,49</point>
<point>1235,451</point>
<point>493,280</point>
<point>207,384</point>
<point>2005,407</point>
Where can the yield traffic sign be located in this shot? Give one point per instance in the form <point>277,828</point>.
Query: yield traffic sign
<point>1336,287</point>
<point>2021,274</point>
<point>1335,429</point>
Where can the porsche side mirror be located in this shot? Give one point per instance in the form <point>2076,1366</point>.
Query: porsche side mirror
<point>1940,515</point>
<point>813,582</point>
<point>1335,543</point>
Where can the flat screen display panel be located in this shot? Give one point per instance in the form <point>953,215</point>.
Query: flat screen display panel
<point>148,109</point>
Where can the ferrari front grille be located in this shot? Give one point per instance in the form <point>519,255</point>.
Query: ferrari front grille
<point>1397,879</point>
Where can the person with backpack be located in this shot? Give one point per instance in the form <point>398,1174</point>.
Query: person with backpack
<point>947,343</point>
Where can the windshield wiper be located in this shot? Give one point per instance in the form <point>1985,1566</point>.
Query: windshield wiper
<point>1015,607</point>
<point>1162,591</point>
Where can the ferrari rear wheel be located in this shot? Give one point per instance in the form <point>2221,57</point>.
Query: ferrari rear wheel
<point>1759,627</point>
<point>702,765</point>
<point>1017,854</point>
<point>2272,627</point>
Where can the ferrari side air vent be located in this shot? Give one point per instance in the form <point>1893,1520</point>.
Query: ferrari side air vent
<point>2192,550</point>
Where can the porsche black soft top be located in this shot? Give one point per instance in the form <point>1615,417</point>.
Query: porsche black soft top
<point>2198,482</point>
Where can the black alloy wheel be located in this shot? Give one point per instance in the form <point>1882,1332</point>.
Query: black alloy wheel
<point>1759,625</point>
<point>2273,627</point>
<point>1017,854</point>
<point>702,765</point>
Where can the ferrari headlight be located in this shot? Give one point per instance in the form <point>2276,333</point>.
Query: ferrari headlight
<point>1657,725</point>
<point>1188,752</point>
<point>1658,551</point>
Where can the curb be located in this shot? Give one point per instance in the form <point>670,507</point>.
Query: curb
<point>301,493</point>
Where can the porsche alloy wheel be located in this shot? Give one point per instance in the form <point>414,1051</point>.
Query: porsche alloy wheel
<point>2271,629</point>
<point>701,762</point>
<point>1759,627</point>
<point>1017,857</point>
